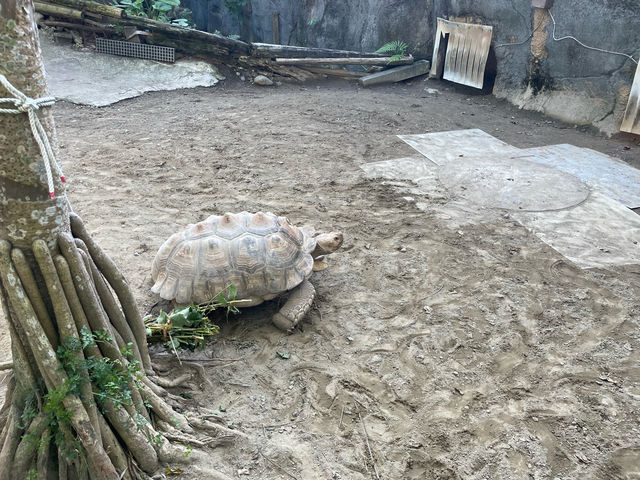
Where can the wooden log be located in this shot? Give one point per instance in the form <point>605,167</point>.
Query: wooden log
<point>387,61</point>
<point>58,11</point>
<point>267,50</point>
<point>78,26</point>
<point>187,34</point>
<point>94,7</point>
<point>336,72</point>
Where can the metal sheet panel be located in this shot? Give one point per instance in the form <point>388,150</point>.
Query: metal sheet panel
<point>611,176</point>
<point>458,145</point>
<point>598,233</point>
<point>466,54</point>
<point>631,119</point>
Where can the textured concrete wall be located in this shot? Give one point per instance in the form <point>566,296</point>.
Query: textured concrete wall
<point>561,79</point>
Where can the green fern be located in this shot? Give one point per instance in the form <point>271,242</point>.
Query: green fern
<point>396,48</point>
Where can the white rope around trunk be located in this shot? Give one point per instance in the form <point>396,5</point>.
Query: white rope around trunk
<point>30,106</point>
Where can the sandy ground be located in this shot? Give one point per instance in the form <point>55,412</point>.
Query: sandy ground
<point>472,353</point>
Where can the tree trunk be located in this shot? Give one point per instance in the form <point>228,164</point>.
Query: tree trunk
<point>74,325</point>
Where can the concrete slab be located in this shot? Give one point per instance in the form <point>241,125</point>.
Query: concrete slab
<point>599,232</point>
<point>85,77</point>
<point>456,145</point>
<point>608,174</point>
<point>512,184</point>
<point>421,67</point>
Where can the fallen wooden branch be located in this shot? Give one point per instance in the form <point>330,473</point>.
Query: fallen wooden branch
<point>387,61</point>
<point>58,11</point>
<point>78,26</point>
<point>335,72</point>
<point>267,50</point>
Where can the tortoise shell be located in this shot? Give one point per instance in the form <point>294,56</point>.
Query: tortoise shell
<point>261,254</point>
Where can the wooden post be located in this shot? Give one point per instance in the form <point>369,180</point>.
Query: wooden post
<point>276,28</point>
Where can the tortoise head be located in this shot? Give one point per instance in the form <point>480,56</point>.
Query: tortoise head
<point>327,243</point>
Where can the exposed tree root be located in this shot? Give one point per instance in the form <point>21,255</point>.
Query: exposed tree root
<point>57,421</point>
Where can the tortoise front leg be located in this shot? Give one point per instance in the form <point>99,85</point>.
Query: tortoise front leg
<point>296,307</point>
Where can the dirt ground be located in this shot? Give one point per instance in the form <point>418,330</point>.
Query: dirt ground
<point>473,353</point>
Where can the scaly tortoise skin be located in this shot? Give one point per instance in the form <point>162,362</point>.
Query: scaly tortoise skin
<point>261,254</point>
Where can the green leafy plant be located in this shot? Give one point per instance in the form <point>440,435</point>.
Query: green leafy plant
<point>190,327</point>
<point>168,11</point>
<point>396,48</point>
<point>235,6</point>
<point>111,383</point>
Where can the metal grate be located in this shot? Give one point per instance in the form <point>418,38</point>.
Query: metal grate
<point>137,50</point>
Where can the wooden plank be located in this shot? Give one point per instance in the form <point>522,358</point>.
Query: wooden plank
<point>276,28</point>
<point>420,67</point>
<point>336,72</point>
<point>346,61</point>
<point>268,50</point>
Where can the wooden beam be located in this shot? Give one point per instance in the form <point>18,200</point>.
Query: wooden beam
<point>276,28</point>
<point>386,61</point>
<point>336,72</point>
<point>267,50</point>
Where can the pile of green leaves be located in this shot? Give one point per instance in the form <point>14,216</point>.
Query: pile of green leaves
<point>190,327</point>
<point>167,11</point>
<point>397,49</point>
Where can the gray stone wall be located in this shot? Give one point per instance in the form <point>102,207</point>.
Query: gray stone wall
<point>562,79</point>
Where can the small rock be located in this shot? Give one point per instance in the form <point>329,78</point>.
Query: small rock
<point>367,246</point>
<point>581,456</point>
<point>242,78</point>
<point>431,91</point>
<point>244,471</point>
<point>262,81</point>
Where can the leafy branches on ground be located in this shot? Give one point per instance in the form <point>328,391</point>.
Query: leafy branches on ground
<point>190,327</point>
<point>396,48</point>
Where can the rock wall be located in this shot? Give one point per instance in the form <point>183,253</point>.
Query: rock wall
<point>534,71</point>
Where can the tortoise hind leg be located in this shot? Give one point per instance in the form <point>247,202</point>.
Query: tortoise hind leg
<point>296,307</point>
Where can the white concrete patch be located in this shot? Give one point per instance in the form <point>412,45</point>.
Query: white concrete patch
<point>85,77</point>
<point>475,179</point>
<point>444,147</point>
<point>609,175</point>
